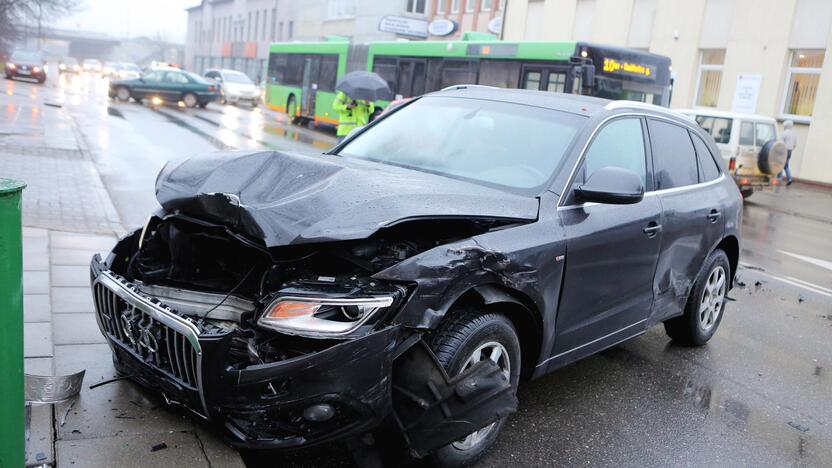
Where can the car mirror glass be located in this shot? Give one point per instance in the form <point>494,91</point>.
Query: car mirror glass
<point>613,185</point>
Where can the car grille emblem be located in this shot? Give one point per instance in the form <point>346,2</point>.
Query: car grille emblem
<point>137,332</point>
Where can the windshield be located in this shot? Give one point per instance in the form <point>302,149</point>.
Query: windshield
<point>25,56</point>
<point>236,77</point>
<point>500,143</point>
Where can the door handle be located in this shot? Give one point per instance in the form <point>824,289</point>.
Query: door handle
<point>714,215</point>
<point>652,228</point>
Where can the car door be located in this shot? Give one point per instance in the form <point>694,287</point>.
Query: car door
<point>611,251</point>
<point>174,85</point>
<point>148,85</point>
<point>692,222</point>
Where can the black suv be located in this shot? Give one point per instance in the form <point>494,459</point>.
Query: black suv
<point>412,275</point>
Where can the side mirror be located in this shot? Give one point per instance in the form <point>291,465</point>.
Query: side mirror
<point>613,185</point>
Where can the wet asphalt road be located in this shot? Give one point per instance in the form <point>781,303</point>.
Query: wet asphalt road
<point>759,394</point>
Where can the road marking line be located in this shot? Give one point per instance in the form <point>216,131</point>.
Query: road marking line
<point>814,261</point>
<point>811,285</point>
<point>795,282</point>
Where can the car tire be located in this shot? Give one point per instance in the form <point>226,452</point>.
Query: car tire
<point>746,193</point>
<point>203,105</point>
<point>123,93</point>
<point>190,100</point>
<point>465,333</point>
<point>706,303</point>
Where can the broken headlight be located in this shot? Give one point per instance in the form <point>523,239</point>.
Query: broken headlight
<point>319,317</point>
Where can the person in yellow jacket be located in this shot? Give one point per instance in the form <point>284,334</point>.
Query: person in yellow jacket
<point>351,113</point>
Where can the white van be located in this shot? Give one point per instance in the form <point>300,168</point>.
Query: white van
<point>750,145</point>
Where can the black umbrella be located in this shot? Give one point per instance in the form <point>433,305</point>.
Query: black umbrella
<point>364,85</point>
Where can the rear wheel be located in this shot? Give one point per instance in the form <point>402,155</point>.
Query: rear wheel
<point>466,338</point>
<point>190,100</point>
<point>705,305</point>
<point>123,94</point>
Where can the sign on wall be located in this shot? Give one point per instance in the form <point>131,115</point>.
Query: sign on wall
<point>404,26</point>
<point>442,27</point>
<point>495,26</point>
<point>746,94</point>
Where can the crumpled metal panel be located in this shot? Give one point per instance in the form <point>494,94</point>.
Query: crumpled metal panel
<point>286,198</point>
<point>52,388</point>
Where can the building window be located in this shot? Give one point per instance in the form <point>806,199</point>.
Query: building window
<point>274,21</point>
<point>502,4</point>
<point>248,28</point>
<point>416,6</point>
<point>265,18</point>
<point>469,5</point>
<point>711,62</point>
<point>802,83</point>
<point>440,7</point>
<point>455,6</point>
<point>280,31</point>
<point>291,28</point>
<point>486,5</point>
<point>256,25</point>
<point>339,9</point>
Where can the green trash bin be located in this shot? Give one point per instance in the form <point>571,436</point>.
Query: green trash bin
<point>12,443</point>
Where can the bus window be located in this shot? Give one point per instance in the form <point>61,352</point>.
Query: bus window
<point>294,69</point>
<point>329,73</point>
<point>387,68</point>
<point>499,73</point>
<point>531,80</point>
<point>411,77</point>
<point>277,67</point>
<point>448,72</point>
<point>557,82</point>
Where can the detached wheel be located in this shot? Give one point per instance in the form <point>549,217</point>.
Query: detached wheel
<point>468,337</point>
<point>706,303</point>
<point>190,100</point>
<point>123,94</point>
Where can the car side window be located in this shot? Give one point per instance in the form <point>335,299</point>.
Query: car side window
<point>674,158</point>
<point>175,77</point>
<point>747,133</point>
<point>764,133</point>
<point>718,127</point>
<point>620,143</point>
<point>707,165</point>
<point>151,76</point>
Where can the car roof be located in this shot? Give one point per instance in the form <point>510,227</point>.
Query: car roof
<point>727,114</point>
<point>583,105</point>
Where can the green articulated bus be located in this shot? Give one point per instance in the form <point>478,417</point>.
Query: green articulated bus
<point>302,75</point>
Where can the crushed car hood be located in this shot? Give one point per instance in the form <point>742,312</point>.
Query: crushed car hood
<point>286,198</point>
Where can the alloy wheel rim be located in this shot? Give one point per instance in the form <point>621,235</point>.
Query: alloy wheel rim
<point>123,94</point>
<point>190,100</point>
<point>497,353</point>
<point>713,296</point>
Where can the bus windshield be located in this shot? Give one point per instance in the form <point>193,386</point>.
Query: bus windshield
<point>504,144</point>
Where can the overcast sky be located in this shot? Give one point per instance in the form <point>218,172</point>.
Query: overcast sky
<point>132,18</point>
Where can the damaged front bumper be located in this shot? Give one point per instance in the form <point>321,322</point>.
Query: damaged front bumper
<point>343,390</point>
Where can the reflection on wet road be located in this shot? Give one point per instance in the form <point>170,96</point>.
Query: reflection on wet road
<point>757,394</point>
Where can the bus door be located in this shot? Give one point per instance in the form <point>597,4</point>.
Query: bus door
<point>543,78</point>
<point>309,86</point>
<point>412,74</point>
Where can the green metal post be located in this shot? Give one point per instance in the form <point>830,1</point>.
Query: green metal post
<point>12,443</point>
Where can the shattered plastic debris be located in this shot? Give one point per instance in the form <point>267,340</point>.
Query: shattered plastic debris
<point>158,447</point>
<point>799,427</point>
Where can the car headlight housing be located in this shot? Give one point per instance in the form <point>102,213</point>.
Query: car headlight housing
<point>318,317</point>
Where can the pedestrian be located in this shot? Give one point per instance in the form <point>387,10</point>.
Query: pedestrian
<point>352,114</point>
<point>790,140</point>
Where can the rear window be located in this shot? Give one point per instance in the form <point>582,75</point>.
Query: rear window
<point>747,133</point>
<point>674,158</point>
<point>765,132</point>
<point>717,127</point>
<point>707,165</point>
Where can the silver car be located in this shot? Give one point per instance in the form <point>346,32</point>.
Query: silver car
<point>236,86</point>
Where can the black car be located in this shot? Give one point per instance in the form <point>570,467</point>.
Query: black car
<point>411,276</point>
<point>167,84</point>
<point>26,64</point>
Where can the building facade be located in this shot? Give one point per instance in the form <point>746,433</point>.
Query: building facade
<point>783,47</point>
<point>236,33</point>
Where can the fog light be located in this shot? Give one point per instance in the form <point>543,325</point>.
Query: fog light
<point>319,413</point>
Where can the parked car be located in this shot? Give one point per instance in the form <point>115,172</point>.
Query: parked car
<point>236,86</point>
<point>749,144</point>
<point>91,66</point>
<point>110,70</point>
<point>405,281</point>
<point>26,64</point>
<point>69,65</point>
<point>128,71</point>
<point>168,84</point>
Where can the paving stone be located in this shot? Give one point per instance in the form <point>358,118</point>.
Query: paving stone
<point>72,299</point>
<point>70,275</point>
<point>36,308</point>
<point>71,240</point>
<point>118,408</point>
<point>76,329</point>
<point>39,435</point>
<point>37,339</point>
<point>181,449</point>
<point>36,262</point>
<point>36,282</point>
<point>35,232</point>
<point>216,451</point>
<point>80,257</point>
<point>35,244</point>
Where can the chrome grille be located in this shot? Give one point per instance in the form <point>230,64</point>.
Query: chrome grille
<point>154,334</point>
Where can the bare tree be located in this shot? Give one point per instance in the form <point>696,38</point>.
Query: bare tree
<point>16,13</point>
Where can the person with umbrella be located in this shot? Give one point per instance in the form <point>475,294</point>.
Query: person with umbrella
<point>354,101</point>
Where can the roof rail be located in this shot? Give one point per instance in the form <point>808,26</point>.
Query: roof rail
<point>624,104</point>
<point>464,86</point>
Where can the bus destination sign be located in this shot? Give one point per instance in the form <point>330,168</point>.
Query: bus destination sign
<point>623,67</point>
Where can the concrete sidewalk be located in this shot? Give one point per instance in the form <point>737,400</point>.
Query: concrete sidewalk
<point>799,199</point>
<point>68,217</point>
